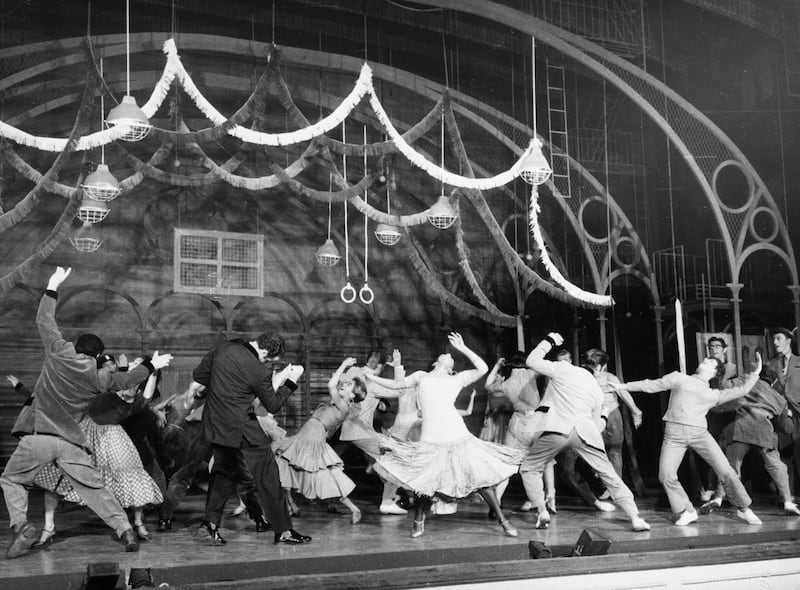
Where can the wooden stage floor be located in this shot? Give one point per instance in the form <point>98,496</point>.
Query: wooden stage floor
<point>465,547</point>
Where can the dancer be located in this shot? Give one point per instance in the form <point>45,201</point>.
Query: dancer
<point>520,388</point>
<point>233,374</point>
<point>68,382</point>
<point>447,461</point>
<point>685,428</point>
<point>357,429</point>
<point>306,462</point>
<point>570,413</point>
<point>752,427</point>
<point>113,454</point>
<point>499,409</point>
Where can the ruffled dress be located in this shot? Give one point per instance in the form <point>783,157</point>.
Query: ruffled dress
<point>116,458</point>
<point>447,461</point>
<point>307,463</point>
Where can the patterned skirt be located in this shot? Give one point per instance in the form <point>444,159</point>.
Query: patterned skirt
<point>452,469</point>
<point>118,463</point>
<point>308,464</point>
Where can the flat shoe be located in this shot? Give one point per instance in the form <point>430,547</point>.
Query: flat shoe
<point>142,533</point>
<point>293,538</point>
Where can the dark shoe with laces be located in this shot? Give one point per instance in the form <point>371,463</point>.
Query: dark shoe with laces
<point>128,539</point>
<point>213,533</point>
<point>292,538</point>
<point>164,524</point>
<point>262,525</point>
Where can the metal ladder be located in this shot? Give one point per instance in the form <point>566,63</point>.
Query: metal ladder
<point>557,123</point>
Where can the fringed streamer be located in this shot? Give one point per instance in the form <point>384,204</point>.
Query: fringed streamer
<point>573,290</point>
<point>48,246</point>
<point>26,170</point>
<point>162,87</point>
<point>531,279</point>
<point>157,158</point>
<point>411,249</point>
<point>432,169</point>
<point>466,268</point>
<point>25,206</point>
<point>324,196</point>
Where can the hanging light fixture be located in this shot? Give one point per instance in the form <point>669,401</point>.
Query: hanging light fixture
<point>534,167</point>
<point>101,185</point>
<point>91,211</point>
<point>85,243</point>
<point>442,215</point>
<point>387,234</point>
<point>328,253</point>
<point>127,112</point>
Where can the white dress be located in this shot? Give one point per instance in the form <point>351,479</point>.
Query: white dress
<point>448,460</point>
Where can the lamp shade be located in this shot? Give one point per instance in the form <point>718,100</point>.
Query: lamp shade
<point>91,211</point>
<point>534,168</point>
<point>328,254</point>
<point>442,215</point>
<point>85,243</point>
<point>129,114</point>
<point>101,185</point>
<point>387,234</point>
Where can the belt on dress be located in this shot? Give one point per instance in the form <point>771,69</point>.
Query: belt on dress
<point>543,409</point>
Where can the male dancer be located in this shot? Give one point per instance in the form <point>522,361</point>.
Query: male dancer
<point>49,431</point>
<point>570,416</point>
<point>235,373</point>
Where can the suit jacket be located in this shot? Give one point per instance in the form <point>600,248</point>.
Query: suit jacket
<point>573,399</point>
<point>789,384</point>
<point>234,377</point>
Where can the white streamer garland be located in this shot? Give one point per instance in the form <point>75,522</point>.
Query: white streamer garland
<point>174,69</point>
<point>571,289</point>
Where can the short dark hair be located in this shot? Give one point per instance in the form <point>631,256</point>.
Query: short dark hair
<point>273,343</point>
<point>594,357</point>
<point>517,360</point>
<point>89,344</point>
<point>717,339</point>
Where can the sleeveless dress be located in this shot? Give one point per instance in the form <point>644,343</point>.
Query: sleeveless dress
<point>307,463</point>
<point>448,460</point>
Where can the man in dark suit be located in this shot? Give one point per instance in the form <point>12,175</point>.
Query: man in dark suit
<point>234,373</point>
<point>788,367</point>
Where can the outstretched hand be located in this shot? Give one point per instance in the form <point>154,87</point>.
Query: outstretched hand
<point>13,380</point>
<point>159,361</point>
<point>396,359</point>
<point>456,341</point>
<point>59,276</point>
<point>348,362</point>
<point>557,338</point>
<point>759,364</point>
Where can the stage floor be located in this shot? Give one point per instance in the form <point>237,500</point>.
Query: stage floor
<point>342,554</point>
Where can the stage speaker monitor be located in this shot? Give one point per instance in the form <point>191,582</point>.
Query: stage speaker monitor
<point>103,576</point>
<point>591,543</point>
<point>140,577</point>
<point>539,550</point>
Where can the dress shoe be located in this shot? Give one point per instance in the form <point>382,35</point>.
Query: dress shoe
<point>390,507</point>
<point>748,516</point>
<point>686,517</point>
<point>292,537</point>
<point>128,539</point>
<point>213,533</point>
<point>508,528</point>
<point>24,536</point>
<point>417,529</point>
<point>639,525</point>
<point>710,506</point>
<point>526,507</point>
<point>45,539</point>
<point>262,525</point>
<point>543,520</point>
<point>791,508</point>
<point>164,524</point>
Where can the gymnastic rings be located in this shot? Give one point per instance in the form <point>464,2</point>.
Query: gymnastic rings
<point>348,293</point>
<point>366,294</point>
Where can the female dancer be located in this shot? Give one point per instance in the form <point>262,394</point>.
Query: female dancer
<point>447,461</point>
<point>307,463</point>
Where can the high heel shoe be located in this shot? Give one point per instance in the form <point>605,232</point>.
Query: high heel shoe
<point>508,528</point>
<point>417,529</point>
<point>141,532</point>
<point>550,504</point>
<point>45,539</point>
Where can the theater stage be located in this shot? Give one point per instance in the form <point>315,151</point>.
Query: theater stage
<point>460,549</point>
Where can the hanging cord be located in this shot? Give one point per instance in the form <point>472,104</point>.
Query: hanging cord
<point>365,293</point>
<point>608,213</point>
<point>102,117</point>
<point>533,85</point>
<point>348,292</point>
<point>128,45</point>
<point>330,204</point>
